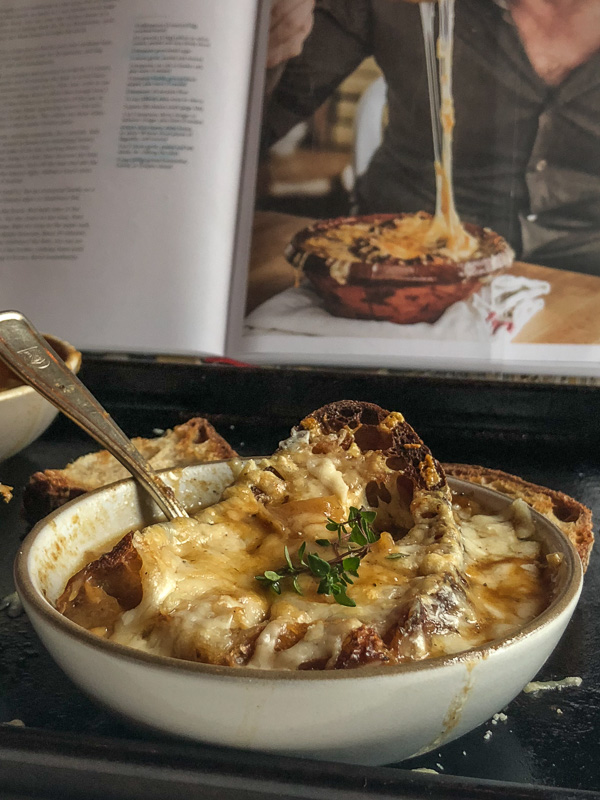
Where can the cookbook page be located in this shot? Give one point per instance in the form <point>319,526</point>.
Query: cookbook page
<point>122,130</point>
<point>349,133</point>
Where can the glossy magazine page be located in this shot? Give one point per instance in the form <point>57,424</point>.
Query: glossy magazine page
<point>389,106</point>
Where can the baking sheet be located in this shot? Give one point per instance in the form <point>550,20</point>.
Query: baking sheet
<point>545,431</point>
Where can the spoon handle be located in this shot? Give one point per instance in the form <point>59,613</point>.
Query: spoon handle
<point>27,353</point>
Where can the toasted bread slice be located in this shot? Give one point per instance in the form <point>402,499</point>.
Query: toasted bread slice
<point>194,442</point>
<point>572,517</point>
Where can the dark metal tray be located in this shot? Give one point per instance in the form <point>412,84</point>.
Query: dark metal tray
<point>546,431</point>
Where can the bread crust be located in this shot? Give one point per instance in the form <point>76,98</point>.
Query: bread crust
<point>572,517</point>
<point>374,428</point>
<point>194,442</point>
<point>440,599</point>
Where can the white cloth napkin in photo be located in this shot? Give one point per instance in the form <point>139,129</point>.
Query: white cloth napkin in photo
<point>508,302</point>
<point>498,311</point>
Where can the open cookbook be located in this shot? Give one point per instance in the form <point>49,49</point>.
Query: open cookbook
<point>129,151</point>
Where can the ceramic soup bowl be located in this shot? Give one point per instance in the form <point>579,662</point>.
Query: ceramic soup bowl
<point>368,715</point>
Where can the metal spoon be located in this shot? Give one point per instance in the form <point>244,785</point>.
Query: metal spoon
<point>29,355</point>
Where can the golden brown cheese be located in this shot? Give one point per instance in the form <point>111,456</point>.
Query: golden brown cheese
<point>406,238</point>
<point>441,578</point>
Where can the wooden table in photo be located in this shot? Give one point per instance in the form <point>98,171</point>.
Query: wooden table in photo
<point>571,313</point>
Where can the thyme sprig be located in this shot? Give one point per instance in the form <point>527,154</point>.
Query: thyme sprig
<point>356,535</point>
<point>356,529</point>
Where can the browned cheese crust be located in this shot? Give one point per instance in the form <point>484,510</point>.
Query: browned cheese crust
<point>310,249</point>
<point>369,426</point>
<point>572,517</point>
<point>406,469</point>
<point>402,478</point>
<point>194,442</point>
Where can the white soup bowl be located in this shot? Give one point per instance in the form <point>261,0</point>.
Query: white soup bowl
<point>369,715</point>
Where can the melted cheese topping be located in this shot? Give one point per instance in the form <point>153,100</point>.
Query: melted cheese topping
<point>408,238</point>
<point>440,579</point>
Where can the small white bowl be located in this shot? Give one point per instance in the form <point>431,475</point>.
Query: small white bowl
<point>24,413</point>
<point>369,715</point>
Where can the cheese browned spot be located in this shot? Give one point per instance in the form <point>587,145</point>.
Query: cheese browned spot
<point>442,577</point>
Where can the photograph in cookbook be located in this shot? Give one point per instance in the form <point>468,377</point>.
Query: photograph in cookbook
<point>429,187</point>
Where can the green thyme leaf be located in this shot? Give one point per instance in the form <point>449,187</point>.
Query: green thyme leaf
<point>397,555</point>
<point>301,551</point>
<point>355,534</point>
<point>351,564</point>
<point>286,552</point>
<point>343,599</point>
<point>358,537</point>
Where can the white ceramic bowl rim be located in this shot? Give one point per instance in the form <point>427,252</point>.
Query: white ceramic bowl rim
<point>571,585</point>
<point>70,355</point>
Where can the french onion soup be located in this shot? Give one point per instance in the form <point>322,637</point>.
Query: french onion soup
<point>345,548</point>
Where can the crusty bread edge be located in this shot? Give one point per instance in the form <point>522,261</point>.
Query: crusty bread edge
<point>572,517</point>
<point>50,489</point>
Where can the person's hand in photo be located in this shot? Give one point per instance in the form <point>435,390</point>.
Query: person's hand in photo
<point>291,22</point>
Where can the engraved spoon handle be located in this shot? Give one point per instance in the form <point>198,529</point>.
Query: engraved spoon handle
<point>27,353</point>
